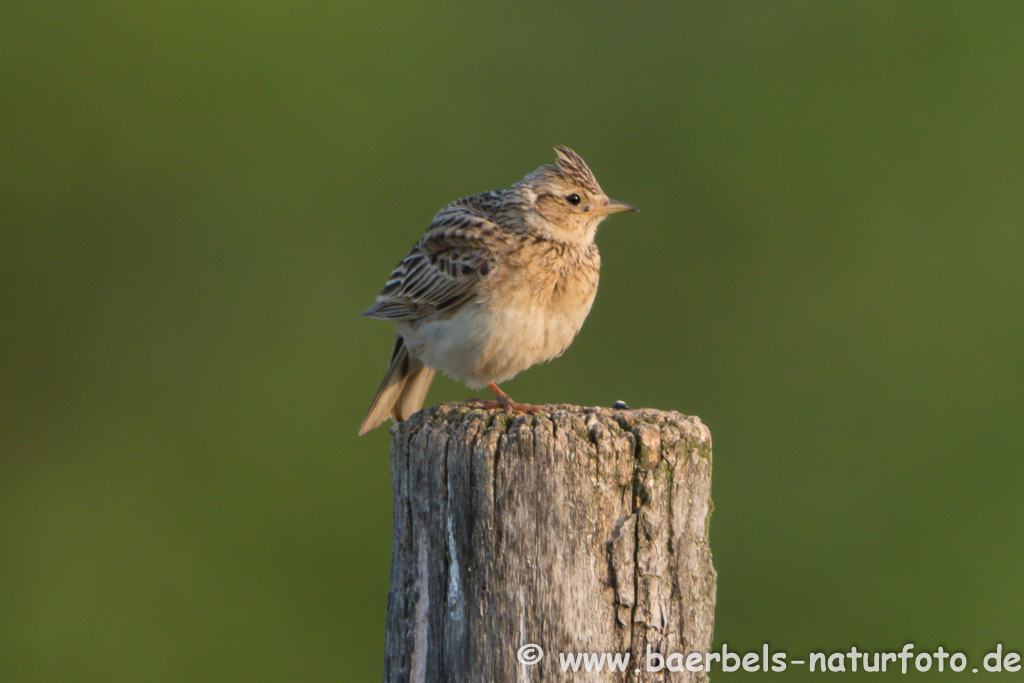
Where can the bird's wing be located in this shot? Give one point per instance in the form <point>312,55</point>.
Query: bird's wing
<point>443,270</point>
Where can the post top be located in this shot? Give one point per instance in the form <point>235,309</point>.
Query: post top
<point>559,416</point>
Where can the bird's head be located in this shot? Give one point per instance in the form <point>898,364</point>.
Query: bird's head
<point>565,201</point>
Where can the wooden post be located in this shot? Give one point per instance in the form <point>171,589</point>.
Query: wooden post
<point>584,530</point>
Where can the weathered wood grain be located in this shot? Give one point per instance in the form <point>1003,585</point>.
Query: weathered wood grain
<point>582,530</point>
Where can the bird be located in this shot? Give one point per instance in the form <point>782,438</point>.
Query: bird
<point>499,282</point>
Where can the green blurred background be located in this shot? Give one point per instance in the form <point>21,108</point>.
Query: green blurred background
<point>198,199</point>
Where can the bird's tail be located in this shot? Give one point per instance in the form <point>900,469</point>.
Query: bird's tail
<point>403,390</point>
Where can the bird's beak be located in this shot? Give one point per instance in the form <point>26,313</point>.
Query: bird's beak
<point>613,207</point>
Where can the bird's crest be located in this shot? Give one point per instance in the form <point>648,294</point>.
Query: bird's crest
<point>572,166</point>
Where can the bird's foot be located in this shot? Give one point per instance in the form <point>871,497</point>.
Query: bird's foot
<point>509,406</point>
<point>504,402</point>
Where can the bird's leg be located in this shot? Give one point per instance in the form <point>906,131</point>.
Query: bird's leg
<point>504,402</point>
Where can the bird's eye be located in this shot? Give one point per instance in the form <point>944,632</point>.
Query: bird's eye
<point>573,199</point>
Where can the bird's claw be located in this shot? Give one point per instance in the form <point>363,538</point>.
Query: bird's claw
<point>506,404</point>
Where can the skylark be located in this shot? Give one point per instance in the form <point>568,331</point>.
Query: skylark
<point>499,282</point>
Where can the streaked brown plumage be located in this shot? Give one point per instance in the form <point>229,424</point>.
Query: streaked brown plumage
<point>500,281</point>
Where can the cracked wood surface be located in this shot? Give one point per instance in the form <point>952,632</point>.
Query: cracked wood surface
<point>579,530</point>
